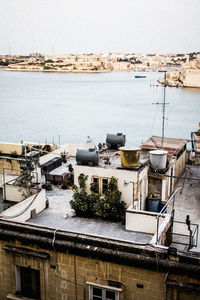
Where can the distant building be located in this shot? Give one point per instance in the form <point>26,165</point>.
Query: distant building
<point>36,54</point>
<point>191,78</point>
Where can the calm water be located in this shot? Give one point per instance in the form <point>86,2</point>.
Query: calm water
<point>40,106</point>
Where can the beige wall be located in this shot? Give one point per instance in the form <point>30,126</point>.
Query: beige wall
<point>9,163</point>
<point>180,165</point>
<point>58,283</point>
<point>191,78</point>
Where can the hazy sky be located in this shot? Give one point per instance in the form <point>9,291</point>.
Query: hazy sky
<point>91,26</point>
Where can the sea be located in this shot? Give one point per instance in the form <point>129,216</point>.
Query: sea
<point>67,107</point>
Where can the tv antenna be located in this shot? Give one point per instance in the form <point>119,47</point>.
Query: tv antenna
<point>163,110</point>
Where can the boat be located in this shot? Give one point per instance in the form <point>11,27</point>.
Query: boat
<point>140,76</point>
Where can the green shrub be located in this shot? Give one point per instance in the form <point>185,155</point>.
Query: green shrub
<point>108,207</point>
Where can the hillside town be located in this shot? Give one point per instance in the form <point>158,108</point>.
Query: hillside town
<point>182,69</point>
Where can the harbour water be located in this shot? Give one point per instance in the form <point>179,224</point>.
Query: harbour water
<point>41,106</point>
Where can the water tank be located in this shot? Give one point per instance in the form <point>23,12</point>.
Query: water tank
<point>89,157</point>
<point>114,141</point>
<point>57,162</point>
<point>153,205</point>
<point>130,156</point>
<point>158,159</point>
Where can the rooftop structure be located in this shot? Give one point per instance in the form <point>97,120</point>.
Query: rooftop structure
<point>68,257</point>
<point>174,146</point>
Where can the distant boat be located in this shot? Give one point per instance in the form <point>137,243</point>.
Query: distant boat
<point>140,76</point>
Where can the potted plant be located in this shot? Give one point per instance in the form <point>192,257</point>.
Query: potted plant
<point>64,156</point>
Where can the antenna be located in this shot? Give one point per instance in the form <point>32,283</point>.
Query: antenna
<point>9,49</point>
<point>163,116</point>
<point>163,111</point>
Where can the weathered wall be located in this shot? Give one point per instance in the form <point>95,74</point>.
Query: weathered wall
<point>180,165</point>
<point>9,163</point>
<point>58,276</point>
<point>191,78</point>
<point>197,159</point>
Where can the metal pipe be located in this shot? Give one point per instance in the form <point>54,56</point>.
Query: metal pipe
<point>163,116</point>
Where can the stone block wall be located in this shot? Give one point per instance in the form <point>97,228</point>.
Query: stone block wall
<point>59,273</point>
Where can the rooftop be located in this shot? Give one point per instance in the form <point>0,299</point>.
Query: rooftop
<point>172,145</point>
<point>60,216</point>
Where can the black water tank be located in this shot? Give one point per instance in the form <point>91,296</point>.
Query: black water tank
<point>57,162</point>
<point>48,166</point>
<point>115,141</point>
<point>88,157</point>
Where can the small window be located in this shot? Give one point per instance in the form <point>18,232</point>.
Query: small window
<point>96,186</point>
<point>27,282</point>
<point>102,293</point>
<point>97,293</point>
<point>104,185</point>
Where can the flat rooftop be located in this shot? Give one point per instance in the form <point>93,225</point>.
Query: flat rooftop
<point>60,216</point>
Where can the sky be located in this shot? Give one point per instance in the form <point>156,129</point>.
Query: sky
<point>91,26</point>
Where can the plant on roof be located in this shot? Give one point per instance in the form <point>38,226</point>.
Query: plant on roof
<point>81,202</point>
<point>70,168</point>
<point>108,207</point>
<point>64,156</point>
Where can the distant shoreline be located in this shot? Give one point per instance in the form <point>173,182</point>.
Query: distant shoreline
<point>57,71</point>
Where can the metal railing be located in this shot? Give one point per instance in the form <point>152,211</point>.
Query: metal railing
<point>190,239</point>
<point>163,211</point>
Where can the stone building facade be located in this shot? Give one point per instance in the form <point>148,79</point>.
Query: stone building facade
<point>70,266</point>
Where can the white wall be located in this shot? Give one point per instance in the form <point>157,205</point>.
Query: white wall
<point>162,231</point>
<point>15,193</point>
<point>7,178</point>
<point>142,221</point>
<point>22,211</point>
<point>126,179</point>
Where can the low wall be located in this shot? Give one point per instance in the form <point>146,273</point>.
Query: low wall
<point>6,178</point>
<point>164,227</point>
<point>22,211</point>
<point>17,193</point>
<point>142,221</point>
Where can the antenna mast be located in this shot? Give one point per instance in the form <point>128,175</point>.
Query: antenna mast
<point>163,110</point>
<point>163,115</point>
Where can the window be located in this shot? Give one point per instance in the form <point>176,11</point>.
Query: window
<point>103,292</point>
<point>27,282</point>
<point>96,181</point>
<point>104,185</point>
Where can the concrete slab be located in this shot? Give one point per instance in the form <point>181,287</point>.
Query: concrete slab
<point>60,216</point>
